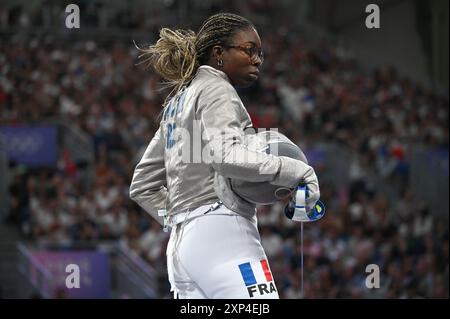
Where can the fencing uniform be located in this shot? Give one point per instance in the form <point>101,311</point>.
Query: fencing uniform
<point>214,249</point>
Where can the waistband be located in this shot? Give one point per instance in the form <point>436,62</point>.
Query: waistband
<point>176,218</point>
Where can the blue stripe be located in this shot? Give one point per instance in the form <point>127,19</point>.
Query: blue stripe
<point>247,274</point>
<point>298,206</point>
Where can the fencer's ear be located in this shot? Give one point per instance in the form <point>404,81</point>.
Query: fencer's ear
<point>217,51</point>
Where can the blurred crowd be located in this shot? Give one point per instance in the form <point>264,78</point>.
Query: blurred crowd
<point>313,95</point>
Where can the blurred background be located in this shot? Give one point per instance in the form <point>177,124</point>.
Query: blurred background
<point>368,106</point>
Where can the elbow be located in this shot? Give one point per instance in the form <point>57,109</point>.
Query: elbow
<point>141,191</point>
<point>134,192</point>
<point>137,184</point>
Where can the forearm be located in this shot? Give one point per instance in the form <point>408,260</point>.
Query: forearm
<point>151,200</point>
<point>148,187</point>
<point>234,160</point>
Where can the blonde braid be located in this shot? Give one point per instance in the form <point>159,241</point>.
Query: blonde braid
<point>177,54</point>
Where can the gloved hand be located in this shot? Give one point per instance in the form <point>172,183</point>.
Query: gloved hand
<point>304,205</point>
<point>312,188</point>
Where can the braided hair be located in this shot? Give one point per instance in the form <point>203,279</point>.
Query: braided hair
<point>178,53</point>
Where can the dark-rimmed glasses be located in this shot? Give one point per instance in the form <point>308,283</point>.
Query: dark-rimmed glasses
<point>252,51</point>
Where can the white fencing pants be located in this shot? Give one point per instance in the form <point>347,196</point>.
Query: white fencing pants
<point>218,255</point>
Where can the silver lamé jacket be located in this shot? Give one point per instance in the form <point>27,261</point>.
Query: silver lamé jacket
<point>178,170</point>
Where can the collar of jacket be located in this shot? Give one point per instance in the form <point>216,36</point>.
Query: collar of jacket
<point>210,70</point>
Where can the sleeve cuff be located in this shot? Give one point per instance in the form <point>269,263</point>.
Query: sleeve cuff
<point>290,173</point>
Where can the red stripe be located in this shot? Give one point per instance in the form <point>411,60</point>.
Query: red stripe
<point>266,269</point>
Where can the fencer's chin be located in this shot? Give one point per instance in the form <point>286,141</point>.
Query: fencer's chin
<point>247,84</point>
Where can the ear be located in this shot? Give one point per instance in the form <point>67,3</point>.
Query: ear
<point>217,51</point>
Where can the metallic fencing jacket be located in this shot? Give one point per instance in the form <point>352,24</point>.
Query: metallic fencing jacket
<point>199,147</point>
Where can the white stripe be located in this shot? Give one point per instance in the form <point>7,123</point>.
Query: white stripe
<point>258,272</point>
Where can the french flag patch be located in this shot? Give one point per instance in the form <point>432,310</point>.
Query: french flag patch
<point>257,277</point>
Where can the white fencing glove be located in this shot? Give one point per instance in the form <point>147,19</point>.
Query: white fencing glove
<point>305,205</point>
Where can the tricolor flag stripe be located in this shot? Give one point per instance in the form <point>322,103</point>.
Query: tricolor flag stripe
<point>247,274</point>
<point>266,269</point>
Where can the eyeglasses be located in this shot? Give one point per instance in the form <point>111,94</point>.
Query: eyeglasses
<point>253,52</point>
